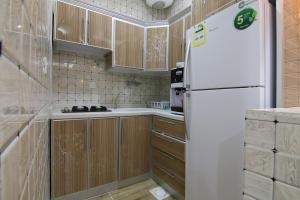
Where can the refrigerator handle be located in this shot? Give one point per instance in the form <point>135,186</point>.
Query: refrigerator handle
<point>186,114</point>
<point>186,85</point>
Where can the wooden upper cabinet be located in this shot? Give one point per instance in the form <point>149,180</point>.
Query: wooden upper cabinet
<point>176,43</point>
<point>157,48</point>
<point>70,22</point>
<point>103,152</point>
<point>99,30</point>
<point>70,168</point>
<point>203,9</point>
<point>134,146</point>
<point>129,45</point>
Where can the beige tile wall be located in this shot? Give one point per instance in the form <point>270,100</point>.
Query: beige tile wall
<point>25,85</point>
<point>133,8</point>
<point>138,8</point>
<point>291,76</point>
<point>84,80</point>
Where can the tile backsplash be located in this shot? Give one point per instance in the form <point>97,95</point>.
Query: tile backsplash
<point>138,8</point>
<point>133,8</point>
<point>85,80</point>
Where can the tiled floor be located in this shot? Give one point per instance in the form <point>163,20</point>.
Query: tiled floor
<point>139,191</point>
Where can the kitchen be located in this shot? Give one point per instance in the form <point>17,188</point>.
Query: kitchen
<point>146,99</point>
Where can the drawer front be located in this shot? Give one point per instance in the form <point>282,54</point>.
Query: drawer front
<point>259,160</point>
<point>260,133</point>
<point>287,169</point>
<point>175,166</point>
<point>169,127</point>
<point>168,145</point>
<point>288,138</point>
<point>177,184</point>
<point>258,186</point>
<point>285,192</point>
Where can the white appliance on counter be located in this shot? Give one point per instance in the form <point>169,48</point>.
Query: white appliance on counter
<point>228,70</point>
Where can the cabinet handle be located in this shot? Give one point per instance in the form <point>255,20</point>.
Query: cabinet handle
<point>164,138</point>
<point>166,172</point>
<point>166,155</point>
<point>121,131</point>
<point>88,32</point>
<point>82,32</point>
<point>165,121</point>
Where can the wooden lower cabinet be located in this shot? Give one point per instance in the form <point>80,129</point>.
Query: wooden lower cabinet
<point>134,146</point>
<point>103,152</point>
<point>168,154</point>
<point>70,163</point>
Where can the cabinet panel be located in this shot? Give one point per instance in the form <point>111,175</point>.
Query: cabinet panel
<point>288,138</point>
<point>285,192</point>
<point>170,127</point>
<point>170,179</point>
<point>260,133</point>
<point>134,146</point>
<point>102,153</point>
<point>175,166</point>
<point>203,9</point>
<point>69,157</point>
<point>70,21</point>
<point>157,48</point>
<point>258,186</point>
<point>287,168</point>
<point>259,160</point>
<point>168,145</point>
<point>129,45</point>
<point>99,30</point>
<point>176,43</point>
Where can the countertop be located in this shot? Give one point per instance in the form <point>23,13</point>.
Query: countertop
<point>120,112</point>
<point>285,115</point>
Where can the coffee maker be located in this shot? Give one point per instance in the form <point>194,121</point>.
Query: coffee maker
<point>177,91</point>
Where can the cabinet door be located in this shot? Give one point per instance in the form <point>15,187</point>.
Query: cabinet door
<point>129,45</point>
<point>134,146</point>
<point>70,23</point>
<point>99,30</point>
<point>69,157</point>
<point>157,48</point>
<point>201,9</point>
<point>102,153</point>
<point>176,43</point>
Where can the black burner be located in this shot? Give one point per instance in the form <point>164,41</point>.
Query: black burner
<point>76,109</point>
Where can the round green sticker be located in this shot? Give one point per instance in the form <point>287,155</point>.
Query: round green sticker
<point>245,18</point>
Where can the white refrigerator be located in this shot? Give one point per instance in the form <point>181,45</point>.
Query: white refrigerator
<point>228,70</point>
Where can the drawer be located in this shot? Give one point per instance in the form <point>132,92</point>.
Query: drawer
<point>285,192</point>
<point>168,145</point>
<point>288,138</point>
<point>175,166</point>
<point>170,127</point>
<point>177,184</point>
<point>287,169</point>
<point>260,133</point>
<point>246,197</point>
<point>258,186</point>
<point>259,160</point>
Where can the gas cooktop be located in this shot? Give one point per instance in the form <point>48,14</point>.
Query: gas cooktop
<point>76,109</point>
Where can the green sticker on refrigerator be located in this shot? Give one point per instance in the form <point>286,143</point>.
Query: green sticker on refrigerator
<point>199,35</point>
<point>245,18</point>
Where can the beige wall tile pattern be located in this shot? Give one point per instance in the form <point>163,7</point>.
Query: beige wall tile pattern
<point>84,80</point>
<point>291,75</point>
<point>25,86</point>
<point>132,8</point>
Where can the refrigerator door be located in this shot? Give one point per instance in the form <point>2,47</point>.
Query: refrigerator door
<point>229,57</point>
<point>214,152</point>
